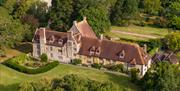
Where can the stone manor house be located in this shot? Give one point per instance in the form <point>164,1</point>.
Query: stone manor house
<point>82,43</point>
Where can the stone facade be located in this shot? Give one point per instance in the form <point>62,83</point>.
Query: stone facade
<point>81,42</point>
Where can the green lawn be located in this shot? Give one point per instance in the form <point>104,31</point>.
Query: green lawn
<point>10,79</point>
<point>19,49</point>
<point>126,36</point>
<point>159,32</point>
<point>151,31</point>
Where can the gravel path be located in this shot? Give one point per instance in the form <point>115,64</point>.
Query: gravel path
<point>135,34</point>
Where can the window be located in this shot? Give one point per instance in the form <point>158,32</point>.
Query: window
<point>51,55</point>
<point>60,41</point>
<point>51,48</point>
<point>92,50</point>
<point>59,57</point>
<point>98,51</point>
<point>122,54</point>
<point>60,50</point>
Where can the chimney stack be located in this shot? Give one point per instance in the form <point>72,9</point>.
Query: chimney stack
<point>101,37</point>
<point>145,47</point>
<point>84,18</point>
<point>74,22</point>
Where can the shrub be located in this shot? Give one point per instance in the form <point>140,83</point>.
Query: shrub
<point>96,65</point>
<point>76,61</point>
<point>134,74</point>
<point>44,57</point>
<point>118,67</point>
<point>24,69</point>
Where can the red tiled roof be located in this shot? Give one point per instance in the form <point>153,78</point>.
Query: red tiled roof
<point>85,29</point>
<point>110,50</point>
<point>49,34</point>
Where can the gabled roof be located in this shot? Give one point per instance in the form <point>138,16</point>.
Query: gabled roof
<point>48,35</point>
<point>110,50</point>
<point>85,29</point>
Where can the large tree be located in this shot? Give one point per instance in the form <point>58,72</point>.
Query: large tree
<point>152,6</point>
<point>97,17</point>
<point>60,14</point>
<point>161,77</point>
<point>172,41</point>
<point>123,11</point>
<point>11,31</point>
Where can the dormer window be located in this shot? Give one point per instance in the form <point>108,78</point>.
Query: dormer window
<point>60,41</point>
<point>92,50</point>
<point>98,51</point>
<point>122,54</point>
<point>52,39</point>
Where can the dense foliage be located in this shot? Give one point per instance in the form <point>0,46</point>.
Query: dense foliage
<point>172,41</point>
<point>118,67</point>
<point>67,83</point>
<point>161,77</point>
<point>96,65</point>
<point>76,61</point>
<point>44,57</point>
<point>14,63</point>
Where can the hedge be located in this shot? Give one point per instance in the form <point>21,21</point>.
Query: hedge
<point>24,69</point>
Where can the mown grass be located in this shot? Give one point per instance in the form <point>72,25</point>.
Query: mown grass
<point>126,36</point>
<point>17,50</point>
<point>147,30</point>
<point>10,79</point>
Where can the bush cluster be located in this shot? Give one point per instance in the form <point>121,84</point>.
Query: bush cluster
<point>24,69</point>
<point>68,83</point>
<point>96,65</point>
<point>76,61</point>
<point>118,67</point>
<point>44,57</point>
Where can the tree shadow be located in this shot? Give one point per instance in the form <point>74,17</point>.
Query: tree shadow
<point>12,87</point>
<point>124,82</point>
<point>24,47</point>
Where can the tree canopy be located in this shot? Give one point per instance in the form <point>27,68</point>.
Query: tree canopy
<point>161,77</point>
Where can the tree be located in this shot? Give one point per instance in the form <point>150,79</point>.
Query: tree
<point>97,18</point>
<point>60,14</point>
<point>152,6</point>
<point>39,10</point>
<point>161,77</point>
<point>22,7</point>
<point>11,31</point>
<point>172,41</point>
<point>44,57</point>
<point>123,11</point>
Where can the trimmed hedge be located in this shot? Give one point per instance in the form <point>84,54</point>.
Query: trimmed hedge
<point>24,69</point>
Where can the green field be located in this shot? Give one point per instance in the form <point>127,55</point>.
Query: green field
<point>10,79</point>
<point>147,30</point>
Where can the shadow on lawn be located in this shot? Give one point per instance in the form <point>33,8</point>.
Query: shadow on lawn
<point>124,82</point>
<point>12,87</point>
<point>24,47</point>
